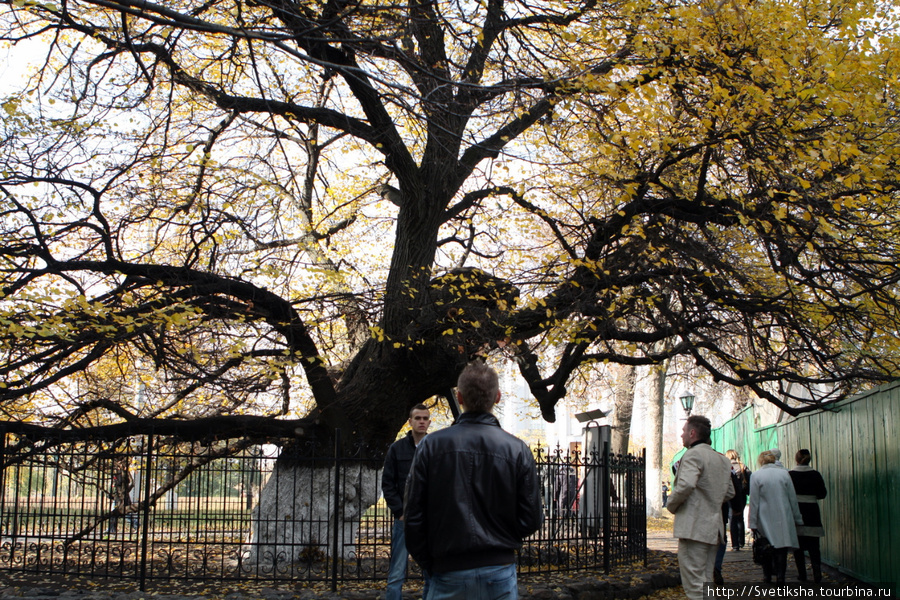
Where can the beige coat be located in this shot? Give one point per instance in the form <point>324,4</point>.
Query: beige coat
<point>702,484</point>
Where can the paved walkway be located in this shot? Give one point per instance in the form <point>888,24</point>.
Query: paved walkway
<point>739,566</point>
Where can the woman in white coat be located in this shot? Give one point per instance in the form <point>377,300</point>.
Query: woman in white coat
<point>774,514</point>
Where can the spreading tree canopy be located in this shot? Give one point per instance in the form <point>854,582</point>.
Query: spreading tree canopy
<point>228,211</point>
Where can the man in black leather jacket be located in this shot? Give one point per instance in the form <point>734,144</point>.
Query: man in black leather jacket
<point>472,497</point>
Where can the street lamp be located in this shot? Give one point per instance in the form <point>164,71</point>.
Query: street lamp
<point>687,403</point>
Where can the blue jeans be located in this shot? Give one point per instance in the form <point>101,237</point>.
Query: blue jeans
<point>720,556</point>
<point>483,583</point>
<point>399,560</point>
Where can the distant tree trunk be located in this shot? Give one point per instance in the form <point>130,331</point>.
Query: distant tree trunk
<point>742,399</point>
<point>623,400</point>
<point>655,418</point>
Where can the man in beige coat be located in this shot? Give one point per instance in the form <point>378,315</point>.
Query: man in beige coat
<point>702,483</point>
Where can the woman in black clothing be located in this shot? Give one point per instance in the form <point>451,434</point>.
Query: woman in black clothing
<point>739,501</point>
<point>810,488</point>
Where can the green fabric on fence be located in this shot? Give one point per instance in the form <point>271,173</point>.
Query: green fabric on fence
<point>855,446</point>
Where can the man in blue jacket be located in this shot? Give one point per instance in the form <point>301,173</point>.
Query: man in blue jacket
<point>393,483</point>
<point>472,497</point>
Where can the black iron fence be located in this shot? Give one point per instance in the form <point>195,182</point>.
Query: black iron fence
<point>148,508</point>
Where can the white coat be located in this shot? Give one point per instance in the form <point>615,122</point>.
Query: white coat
<point>773,506</point>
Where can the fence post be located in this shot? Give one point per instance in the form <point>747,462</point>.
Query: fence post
<point>2,467</point>
<point>145,520</point>
<point>2,472</point>
<point>643,491</point>
<point>606,473</point>
<point>337,506</point>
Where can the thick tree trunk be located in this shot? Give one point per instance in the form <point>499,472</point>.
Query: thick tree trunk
<point>655,415</point>
<point>295,520</point>
<point>623,400</point>
<point>373,399</point>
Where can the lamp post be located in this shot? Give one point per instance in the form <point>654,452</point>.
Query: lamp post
<point>687,403</point>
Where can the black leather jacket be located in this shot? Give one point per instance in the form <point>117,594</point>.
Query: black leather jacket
<point>396,468</point>
<point>471,497</point>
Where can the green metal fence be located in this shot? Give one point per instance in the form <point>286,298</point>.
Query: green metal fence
<point>856,446</point>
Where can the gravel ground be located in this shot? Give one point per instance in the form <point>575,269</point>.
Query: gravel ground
<point>625,583</point>
<point>629,582</point>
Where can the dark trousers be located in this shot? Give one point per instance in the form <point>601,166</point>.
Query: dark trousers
<point>776,565</point>
<point>738,533</point>
<point>808,544</point>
